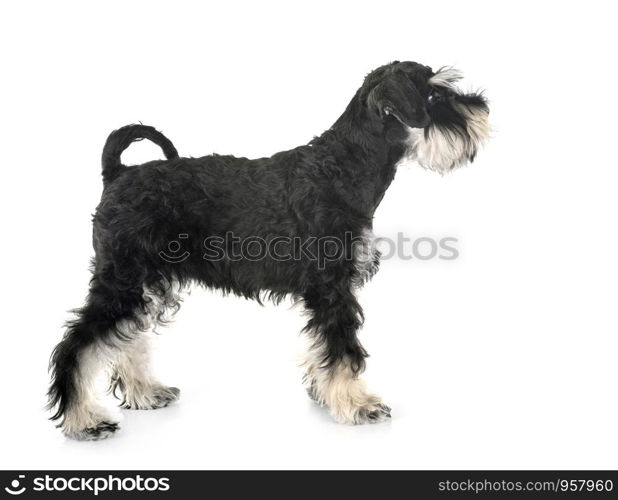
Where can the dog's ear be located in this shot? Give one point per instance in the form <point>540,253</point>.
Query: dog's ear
<point>397,96</point>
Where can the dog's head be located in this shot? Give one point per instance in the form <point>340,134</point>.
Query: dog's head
<point>441,127</point>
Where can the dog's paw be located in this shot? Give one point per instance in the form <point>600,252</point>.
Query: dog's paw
<point>165,396</point>
<point>372,414</point>
<point>158,397</point>
<point>312,391</point>
<point>345,396</point>
<point>99,431</point>
<point>368,409</point>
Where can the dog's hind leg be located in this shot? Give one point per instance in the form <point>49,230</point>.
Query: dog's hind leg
<point>131,367</point>
<point>336,358</point>
<point>107,321</point>
<point>133,378</point>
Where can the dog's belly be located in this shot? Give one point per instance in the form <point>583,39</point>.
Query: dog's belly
<point>250,277</point>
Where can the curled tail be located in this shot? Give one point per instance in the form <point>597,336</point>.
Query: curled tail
<point>121,139</point>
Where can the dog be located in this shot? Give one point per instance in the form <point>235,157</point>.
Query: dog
<point>323,194</point>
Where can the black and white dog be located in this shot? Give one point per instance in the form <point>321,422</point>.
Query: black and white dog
<point>327,190</point>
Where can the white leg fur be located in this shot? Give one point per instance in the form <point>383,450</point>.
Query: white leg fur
<point>344,393</point>
<point>366,258</point>
<point>131,366</point>
<point>85,419</point>
<point>140,390</point>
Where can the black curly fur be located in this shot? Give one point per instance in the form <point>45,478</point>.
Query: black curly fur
<point>329,187</point>
<point>121,139</point>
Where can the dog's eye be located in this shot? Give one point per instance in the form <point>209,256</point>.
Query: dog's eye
<point>433,96</point>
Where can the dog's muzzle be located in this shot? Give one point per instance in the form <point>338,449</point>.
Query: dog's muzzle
<point>444,147</point>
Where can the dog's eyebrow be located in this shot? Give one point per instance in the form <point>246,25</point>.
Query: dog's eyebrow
<point>446,77</point>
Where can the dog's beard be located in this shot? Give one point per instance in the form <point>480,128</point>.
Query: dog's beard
<point>442,148</point>
<point>459,127</point>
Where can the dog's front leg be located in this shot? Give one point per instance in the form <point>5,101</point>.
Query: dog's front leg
<point>336,358</point>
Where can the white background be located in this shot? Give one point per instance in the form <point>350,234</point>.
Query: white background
<point>504,358</point>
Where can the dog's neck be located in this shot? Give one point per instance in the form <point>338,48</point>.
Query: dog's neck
<point>365,154</point>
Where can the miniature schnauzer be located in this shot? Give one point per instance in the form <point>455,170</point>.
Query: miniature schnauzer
<point>329,188</point>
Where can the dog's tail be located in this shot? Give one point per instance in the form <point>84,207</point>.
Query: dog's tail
<point>121,139</point>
